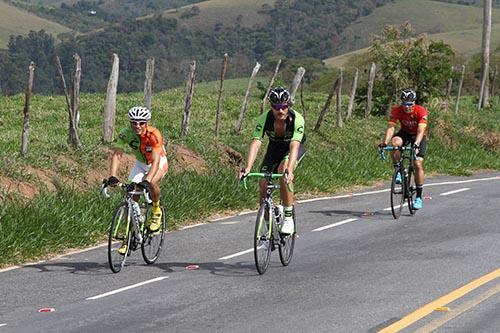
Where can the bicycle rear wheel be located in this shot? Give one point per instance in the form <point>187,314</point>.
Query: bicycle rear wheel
<point>152,242</point>
<point>287,243</point>
<point>119,234</point>
<point>397,194</point>
<point>262,238</point>
<point>411,189</point>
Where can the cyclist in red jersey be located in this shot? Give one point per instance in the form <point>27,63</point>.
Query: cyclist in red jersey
<point>413,124</point>
<point>146,143</point>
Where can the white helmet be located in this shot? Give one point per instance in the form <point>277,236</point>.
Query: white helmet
<point>139,113</point>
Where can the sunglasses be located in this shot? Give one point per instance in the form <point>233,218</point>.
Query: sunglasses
<point>140,123</point>
<point>279,106</point>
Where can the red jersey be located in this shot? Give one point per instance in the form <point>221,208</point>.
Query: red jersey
<point>409,121</point>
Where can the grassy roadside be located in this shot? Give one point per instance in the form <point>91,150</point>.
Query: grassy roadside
<point>72,215</point>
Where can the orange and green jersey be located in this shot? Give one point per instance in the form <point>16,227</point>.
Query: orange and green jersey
<point>142,146</point>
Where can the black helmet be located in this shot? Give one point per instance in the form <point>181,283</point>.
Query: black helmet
<point>408,97</point>
<point>279,95</point>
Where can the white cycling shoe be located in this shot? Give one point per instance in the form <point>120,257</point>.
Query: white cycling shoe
<point>288,226</point>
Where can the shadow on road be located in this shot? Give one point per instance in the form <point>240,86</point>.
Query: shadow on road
<point>216,268</point>
<point>362,214</point>
<point>72,267</point>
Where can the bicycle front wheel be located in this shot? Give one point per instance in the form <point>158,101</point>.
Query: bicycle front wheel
<point>262,238</point>
<point>411,189</point>
<point>287,243</point>
<point>397,194</point>
<point>119,234</point>
<point>152,242</point>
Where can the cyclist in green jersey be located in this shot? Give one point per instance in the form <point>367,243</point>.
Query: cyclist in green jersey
<point>285,129</point>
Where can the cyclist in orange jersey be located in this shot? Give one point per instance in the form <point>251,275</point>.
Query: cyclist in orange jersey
<point>146,143</point>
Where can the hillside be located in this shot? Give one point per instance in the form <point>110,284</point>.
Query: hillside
<point>212,12</point>
<point>14,21</point>
<point>458,25</point>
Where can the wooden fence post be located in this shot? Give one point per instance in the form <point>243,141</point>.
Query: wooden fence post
<point>353,94</point>
<point>148,82</point>
<point>110,107</point>
<point>302,99</point>
<point>327,105</point>
<point>369,96</point>
<point>460,88</point>
<point>189,99</point>
<point>296,82</point>
<point>26,111</point>
<point>75,100</point>
<point>269,87</point>
<point>221,90</point>
<point>63,81</point>
<point>340,122</point>
<point>74,117</point>
<point>243,110</point>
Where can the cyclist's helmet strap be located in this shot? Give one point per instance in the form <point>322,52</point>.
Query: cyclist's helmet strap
<point>279,95</point>
<point>139,113</point>
<point>408,97</point>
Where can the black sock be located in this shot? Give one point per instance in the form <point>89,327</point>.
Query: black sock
<point>419,190</point>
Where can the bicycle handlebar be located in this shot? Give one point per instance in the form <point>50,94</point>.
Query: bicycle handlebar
<point>269,176</point>
<point>130,188</point>
<point>392,148</point>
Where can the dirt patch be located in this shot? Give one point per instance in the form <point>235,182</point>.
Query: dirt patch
<point>11,186</point>
<point>229,156</point>
<point>490,140</point>
<point>183,159</point>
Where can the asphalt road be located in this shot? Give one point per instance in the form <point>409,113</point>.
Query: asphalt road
<point>438,270</point>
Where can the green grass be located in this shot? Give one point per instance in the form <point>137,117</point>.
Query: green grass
<point>458,25</point>
<point>14,21</point>
<point>223,11</point>
<point>74,215</point>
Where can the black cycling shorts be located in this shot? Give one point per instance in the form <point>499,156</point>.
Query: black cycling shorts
<point>275,154</point>
<point>409,138</point>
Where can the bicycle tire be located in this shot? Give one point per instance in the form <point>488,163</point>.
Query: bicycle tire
<point>397,194</point>
<point>262,239</point>
<point>287,243</point>
<point>411,189</point>
<point>119,232</point>
<point>152,242</point>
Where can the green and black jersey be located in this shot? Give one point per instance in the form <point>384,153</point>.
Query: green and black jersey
<point>294,128</point>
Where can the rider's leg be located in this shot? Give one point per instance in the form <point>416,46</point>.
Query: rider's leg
<point>419,175</point>
<point>396,154</point>
<point>155,194</point>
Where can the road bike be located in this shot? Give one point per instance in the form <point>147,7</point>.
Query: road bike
<point>267,235</point>
<point>129,227</point>
<point>406,188</point>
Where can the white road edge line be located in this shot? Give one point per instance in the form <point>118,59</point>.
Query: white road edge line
<point>126,288</point>
<point>334,225</point>
<point>3,324</point>
<point>456,191</point>
<point>463,181</point>
<point>389,208</point>
<point>236,254</point>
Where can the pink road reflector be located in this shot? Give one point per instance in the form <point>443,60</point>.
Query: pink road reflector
<point>368,214</point>
<point>42,310</point>
<point>428,197</point>
<point>192,267</point>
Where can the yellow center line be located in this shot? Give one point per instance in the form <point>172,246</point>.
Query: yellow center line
<point>442,301</point>
<point>433,325</point>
